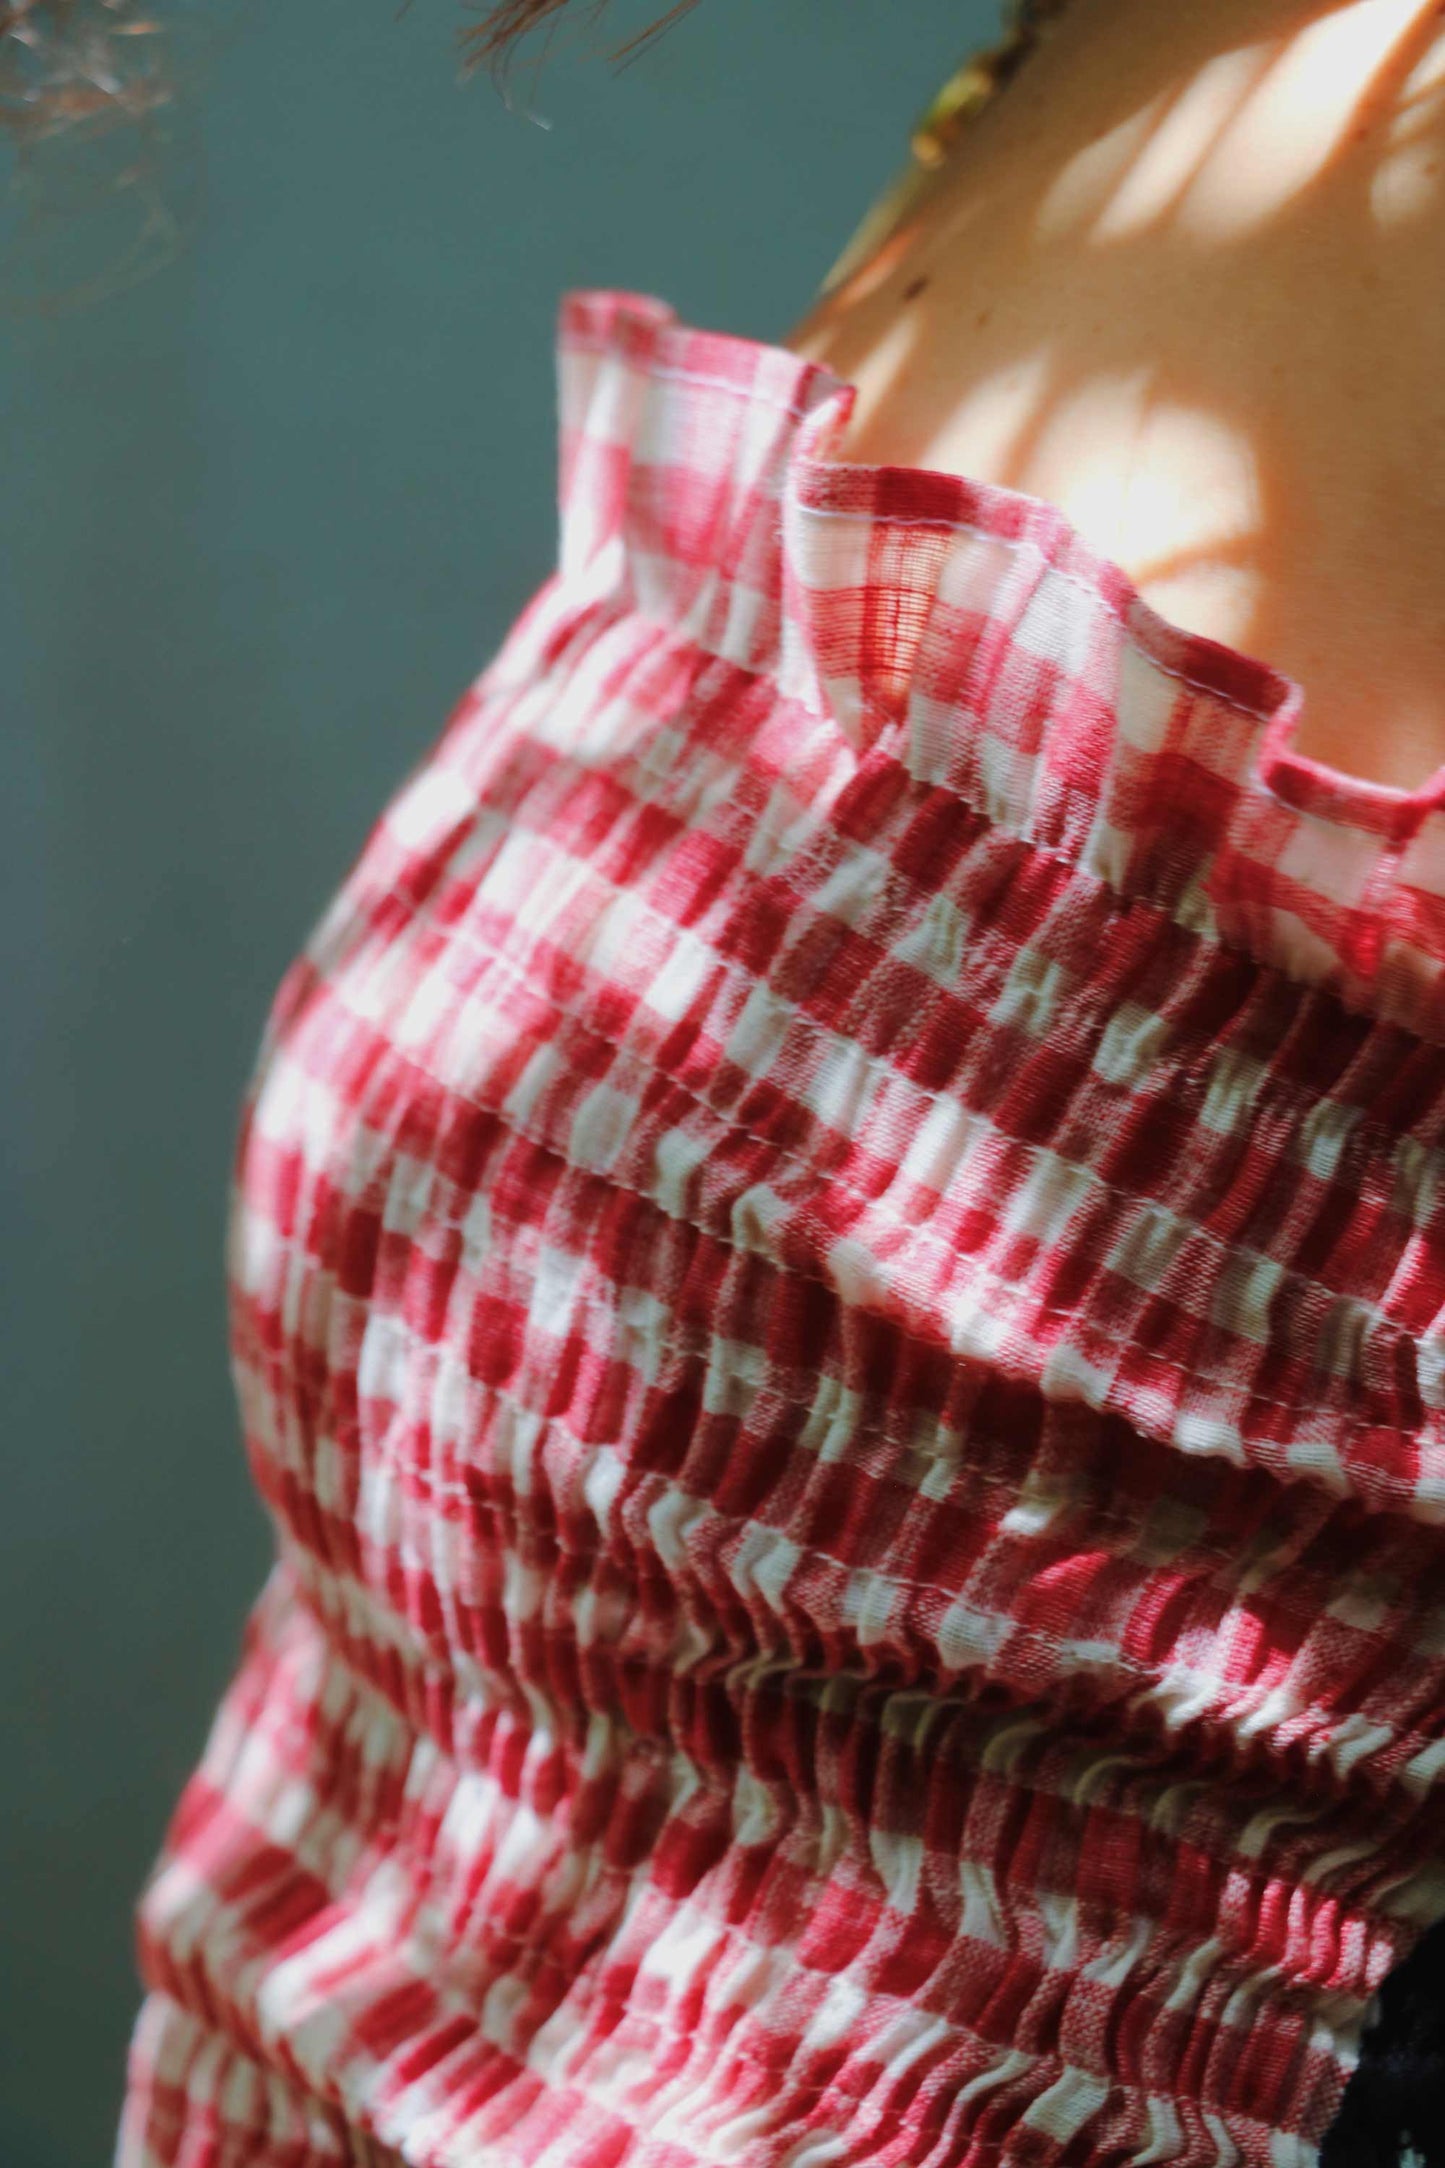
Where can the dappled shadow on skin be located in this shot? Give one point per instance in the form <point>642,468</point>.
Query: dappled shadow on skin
<point>1184,281</point>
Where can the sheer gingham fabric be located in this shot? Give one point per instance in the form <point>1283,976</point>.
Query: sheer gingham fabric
<point>837,1274</point>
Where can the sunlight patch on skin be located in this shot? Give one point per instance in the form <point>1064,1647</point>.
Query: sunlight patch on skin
<point>1090,180</point>
<point>1425,79</point>
<point>1173,493</point>
<point>988,425</point>
<point>1407,180</point>
<point>1249,134</point>
<point>1182,147</point>
<point>995,417</point>
<point>1405,184</point>
<point>878,371</point>
<point>1291,127</point>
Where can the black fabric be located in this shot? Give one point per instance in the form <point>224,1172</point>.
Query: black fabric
<point>1394,2103</point>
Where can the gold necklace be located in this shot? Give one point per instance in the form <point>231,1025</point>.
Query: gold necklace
<point>972,86</point>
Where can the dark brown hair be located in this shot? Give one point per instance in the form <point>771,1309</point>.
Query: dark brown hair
<point>45,90</point>
<point>493,41</point>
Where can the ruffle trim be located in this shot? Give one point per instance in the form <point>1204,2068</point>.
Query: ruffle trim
<point>971,632</point>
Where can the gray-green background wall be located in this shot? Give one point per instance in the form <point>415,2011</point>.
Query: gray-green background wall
<point>262,520</point>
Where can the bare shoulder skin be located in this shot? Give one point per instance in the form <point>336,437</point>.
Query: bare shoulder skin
<point>1186,280</point>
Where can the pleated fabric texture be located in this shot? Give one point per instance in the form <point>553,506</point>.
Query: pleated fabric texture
<point>837,1257</point>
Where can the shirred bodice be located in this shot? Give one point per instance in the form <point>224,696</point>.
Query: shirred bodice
<point>837,1270</point>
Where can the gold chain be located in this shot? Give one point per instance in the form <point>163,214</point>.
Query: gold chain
<point>980,79</point>
<point>968,90</point>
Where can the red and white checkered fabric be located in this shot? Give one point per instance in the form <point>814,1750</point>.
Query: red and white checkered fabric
<point>837,1255</point>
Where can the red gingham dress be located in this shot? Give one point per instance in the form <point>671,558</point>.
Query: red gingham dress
<point>838,1255</point>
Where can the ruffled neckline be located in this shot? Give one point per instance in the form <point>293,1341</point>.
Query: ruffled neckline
<point>971,632</point>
